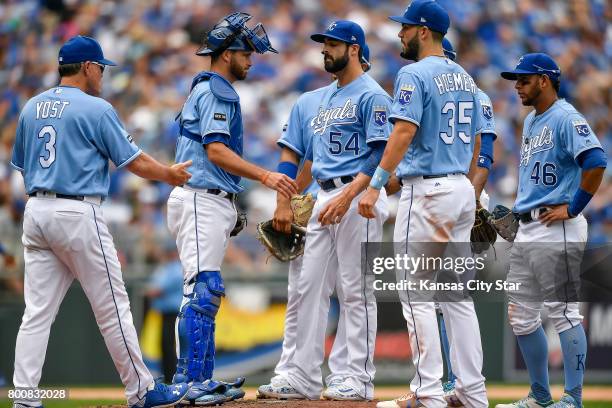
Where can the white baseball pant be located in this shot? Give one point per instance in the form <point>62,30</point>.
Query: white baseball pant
<point>338,357</point>
<point>441,210</point>
<point>64,240</point>
<point>201,223</point>
<point>534,268</point>
<point>342,243</point>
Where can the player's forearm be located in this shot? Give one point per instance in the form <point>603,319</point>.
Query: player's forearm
<point>356,186</point>
<point>479,180</point>
<point>222,156</point>
<point>591,179</point>
<point>397,145</point>
<point>304,177</point>
<point>147,167</point>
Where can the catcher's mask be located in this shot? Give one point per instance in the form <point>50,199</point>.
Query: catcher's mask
<point>231,33</point>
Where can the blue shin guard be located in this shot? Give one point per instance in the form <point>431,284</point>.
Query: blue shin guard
<point>196,327</point>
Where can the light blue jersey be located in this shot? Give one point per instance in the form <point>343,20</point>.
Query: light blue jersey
<point>438,96</point>
<point>205,119</point>
<point>297,133</point>
<point>485,111</point>
<point>348,119</point>
<point>548,172</point>
<point>64,141</point>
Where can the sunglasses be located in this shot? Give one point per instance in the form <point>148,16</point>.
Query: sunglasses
<point>102,66</point>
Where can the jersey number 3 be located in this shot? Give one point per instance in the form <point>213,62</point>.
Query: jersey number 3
<point>462,118</point>
<point>49,158</point>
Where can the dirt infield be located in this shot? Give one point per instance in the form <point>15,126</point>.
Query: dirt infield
<point>494,392</point>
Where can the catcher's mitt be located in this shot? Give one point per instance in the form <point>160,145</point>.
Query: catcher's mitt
<point>301,206</point>
<point>241,222</point>
<point>483,235</point>
<point>284,247</point>
<point>505,222</point>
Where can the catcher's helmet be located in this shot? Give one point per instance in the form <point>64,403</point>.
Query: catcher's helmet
<point>231,33</point>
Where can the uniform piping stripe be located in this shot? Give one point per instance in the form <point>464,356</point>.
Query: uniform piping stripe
<point>365,301</point>
<point>567,273</point>
<point>416,336</point>
<point>195,214</point>
<point>110,283</point>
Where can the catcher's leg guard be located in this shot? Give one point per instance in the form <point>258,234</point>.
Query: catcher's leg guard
<point>196,326</point>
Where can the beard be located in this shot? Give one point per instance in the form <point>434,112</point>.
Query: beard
<point>530,99</point>
<point>411,51</point>
<point>332,65</point>
<point>238,71</point>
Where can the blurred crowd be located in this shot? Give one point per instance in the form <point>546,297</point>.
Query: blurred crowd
<point>154,43</point>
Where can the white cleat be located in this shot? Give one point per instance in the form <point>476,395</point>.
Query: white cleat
<point>338,391</point>
<point>280,389</point>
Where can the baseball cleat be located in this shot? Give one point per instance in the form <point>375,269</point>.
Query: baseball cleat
<point>200,389</point>
<point>233,391</point>
<point>338,391</point>
<point>20,405</point>
<point>566,401</point>
<point>528,402</point>
<point>405,401</point>
<point>449,395</point>
<point>279,388</point>
<point>162,395</point>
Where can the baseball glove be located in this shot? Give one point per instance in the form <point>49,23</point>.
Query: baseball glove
<point>301,206</point>
<point>284,247</point>
<point>241,222</point>
<point>483,235</point>
<point>505,222</point>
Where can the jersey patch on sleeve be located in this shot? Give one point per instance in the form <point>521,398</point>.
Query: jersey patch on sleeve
<point>487,110</point>
<point>380,115</point>
<point>582,127</point>
<point>405,94</point>
<point>130,138</point>
<point>285,127</point>
<point>220,116</point>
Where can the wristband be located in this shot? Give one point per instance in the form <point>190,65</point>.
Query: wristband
<point>380,178</point>
<point>484,162</point>
<point>287,168</point>
<point>579,202</point>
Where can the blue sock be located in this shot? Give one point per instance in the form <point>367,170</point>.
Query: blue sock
<point>535,353</point>
<point>574,347</point>
<point>446,348</point>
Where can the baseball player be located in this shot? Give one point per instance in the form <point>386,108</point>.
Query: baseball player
<point>349,132</point>
<point>65,138</point>
<point>434,126</point>
<point>201,213</point>
<point>478,175</point>
<point>561,167</point>
<point>295,142</point>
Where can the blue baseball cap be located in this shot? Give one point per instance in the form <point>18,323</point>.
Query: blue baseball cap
<point>81,49</point>
<point>365,57</point>
<point>342,30</point>
<point>536,63</point>
<point>426,13</point>
<point>449,51</point>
